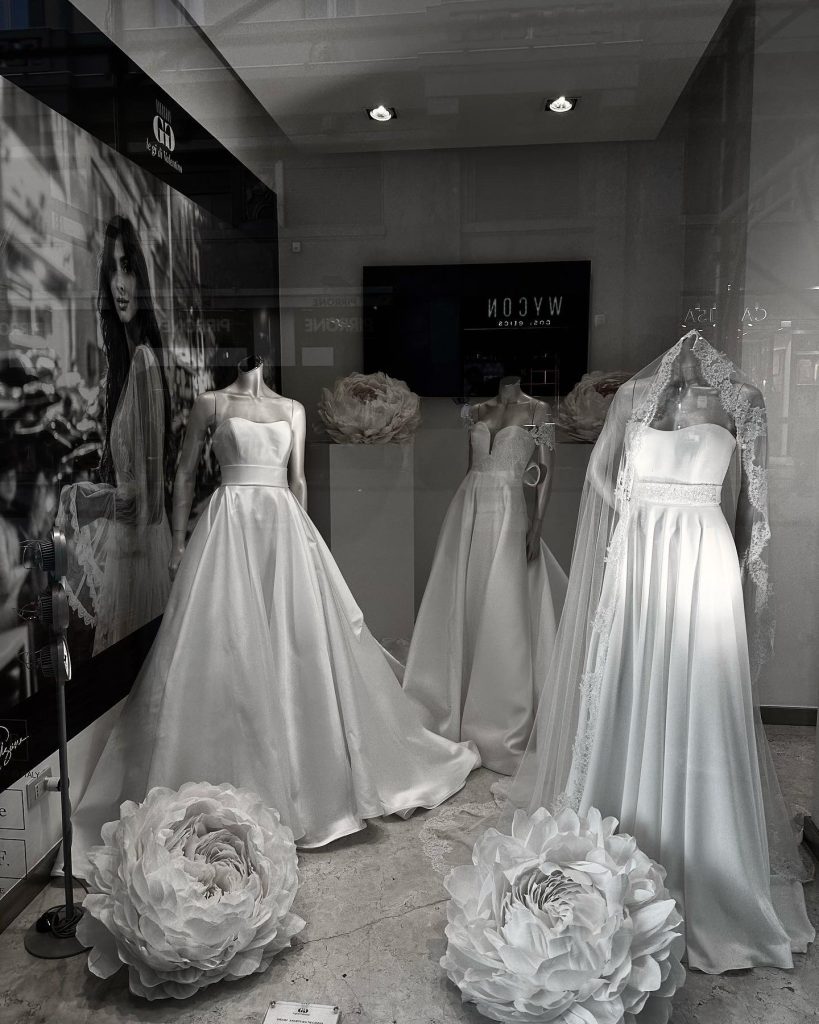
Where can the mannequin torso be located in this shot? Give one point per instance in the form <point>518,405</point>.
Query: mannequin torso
<point>689,400</point>
<point>248,397</point>
<point>513,407</point>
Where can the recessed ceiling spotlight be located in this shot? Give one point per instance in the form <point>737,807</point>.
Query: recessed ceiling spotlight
<point>561,104</point>
<point>381,113</point>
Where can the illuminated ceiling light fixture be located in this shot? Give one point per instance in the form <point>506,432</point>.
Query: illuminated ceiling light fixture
<point>561,104</point>
<point>381,113</point>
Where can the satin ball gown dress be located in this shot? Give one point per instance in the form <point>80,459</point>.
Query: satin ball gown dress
<point>487,622</point>
<point>264,674</point>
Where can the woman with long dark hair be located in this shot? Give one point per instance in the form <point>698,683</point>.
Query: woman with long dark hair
<point>118,528</point>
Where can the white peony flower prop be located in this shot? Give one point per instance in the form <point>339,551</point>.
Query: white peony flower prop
<point>563,921</point>
<point>190,888</point>
<point>583,410</point>
<point>370,409</point>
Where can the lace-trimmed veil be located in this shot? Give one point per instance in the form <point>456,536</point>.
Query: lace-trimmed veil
<point>556,761</point>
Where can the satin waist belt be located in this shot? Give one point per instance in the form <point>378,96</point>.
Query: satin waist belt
<point>661,492</point>
<point>254,476</point>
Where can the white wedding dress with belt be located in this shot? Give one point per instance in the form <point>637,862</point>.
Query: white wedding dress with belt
<point>487,622</point>
<point>264,675</point>
<point>673,750</point>
<point>650,711</point>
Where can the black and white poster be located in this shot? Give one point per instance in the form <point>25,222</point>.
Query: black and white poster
<point>121,299</point>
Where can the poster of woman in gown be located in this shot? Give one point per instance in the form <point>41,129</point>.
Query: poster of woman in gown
<point>113,318</point>
<point>117,529</point>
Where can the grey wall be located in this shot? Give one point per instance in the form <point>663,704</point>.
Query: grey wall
<point>617,204</point>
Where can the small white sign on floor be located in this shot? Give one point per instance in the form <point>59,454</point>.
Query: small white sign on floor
<point>281,1012</point>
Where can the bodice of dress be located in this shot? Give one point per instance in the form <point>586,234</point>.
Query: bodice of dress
<point>508,452</point>
<point>253,453</point>
<point>686,466</point>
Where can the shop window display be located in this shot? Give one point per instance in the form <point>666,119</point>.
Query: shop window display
<point>570,716</point>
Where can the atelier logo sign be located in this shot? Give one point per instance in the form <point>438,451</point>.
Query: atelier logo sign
<point>164,140</point>
<point>163,133</point>
<point>523,310</point>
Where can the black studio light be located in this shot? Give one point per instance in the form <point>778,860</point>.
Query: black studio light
<point>54,661</point>
<point>50,609</point>
<point>49,554</point>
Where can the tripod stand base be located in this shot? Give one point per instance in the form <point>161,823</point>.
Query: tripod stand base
<point>48,946</point>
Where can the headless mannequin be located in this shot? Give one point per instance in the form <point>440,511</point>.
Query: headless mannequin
<point>248,397</point>
<point>692,400</point>
<point>513,407</point>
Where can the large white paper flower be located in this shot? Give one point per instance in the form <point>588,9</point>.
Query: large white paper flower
<point>563,921</point>
<point>583,410</point>
<point>190,888</point>
<point>370,408</point>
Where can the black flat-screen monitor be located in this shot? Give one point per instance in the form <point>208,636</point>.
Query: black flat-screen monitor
<point>457,329</point>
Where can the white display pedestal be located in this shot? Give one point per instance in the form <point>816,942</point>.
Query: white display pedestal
<point>361,498</point>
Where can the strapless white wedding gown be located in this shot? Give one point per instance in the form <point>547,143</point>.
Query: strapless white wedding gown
<point>673,755</point>
<point>487,622</point>
<point>264,675</point>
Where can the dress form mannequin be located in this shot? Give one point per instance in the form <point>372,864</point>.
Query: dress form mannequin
<point>513,407</point>
<point>248,397</point>
<point>693,399</point>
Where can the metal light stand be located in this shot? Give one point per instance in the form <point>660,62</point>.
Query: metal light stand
<point>53,935</point>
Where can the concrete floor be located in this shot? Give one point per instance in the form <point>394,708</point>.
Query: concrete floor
<point>375,933</point>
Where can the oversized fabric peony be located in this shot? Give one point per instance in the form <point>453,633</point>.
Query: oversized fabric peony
<point>370,409</point>
<point>563,921</point>
<point>190,888</point>
<point>583,410</point>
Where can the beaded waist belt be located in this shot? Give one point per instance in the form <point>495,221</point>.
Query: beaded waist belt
<point>662,493</point>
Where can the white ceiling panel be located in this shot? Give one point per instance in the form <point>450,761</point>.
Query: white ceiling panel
<point>464,72</point>
<point>460,73</point>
